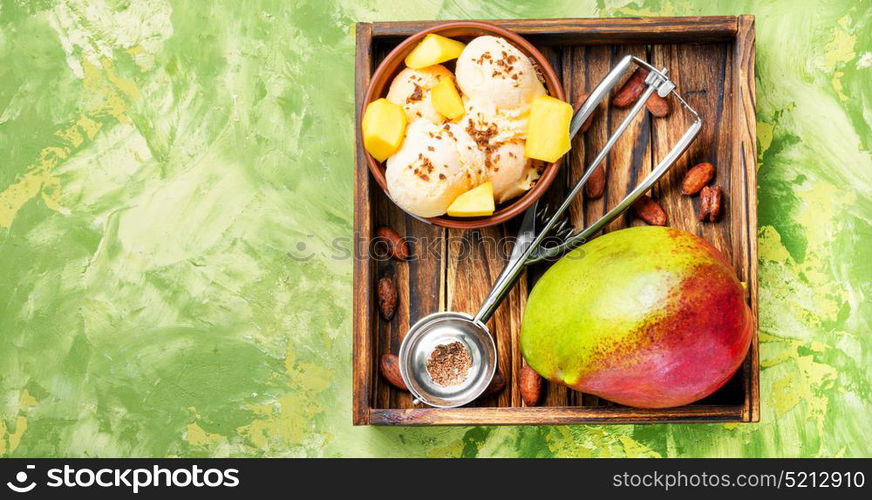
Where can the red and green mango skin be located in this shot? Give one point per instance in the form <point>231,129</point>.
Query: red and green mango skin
<point>650,317</point>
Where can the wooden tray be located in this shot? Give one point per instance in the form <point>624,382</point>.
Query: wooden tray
<point>711,59</point>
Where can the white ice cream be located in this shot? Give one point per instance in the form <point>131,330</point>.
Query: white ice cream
<point>411,90</point>
<point>491,69</point>
<point>510,172</point>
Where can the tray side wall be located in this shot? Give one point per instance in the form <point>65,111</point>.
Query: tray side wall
<point>745,144</point>
<point>460,284</point>
<point>555,416</point>
<point>625,30</point>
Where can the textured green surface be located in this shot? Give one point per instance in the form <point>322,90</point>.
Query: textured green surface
<point>164,165</point>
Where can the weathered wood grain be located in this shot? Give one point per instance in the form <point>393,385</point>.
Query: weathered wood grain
<point>555,395</point>
<point>707,89</point>
<point>630,159</point>
<point>363,357</point>
<point>745,168</point>
<point>474,260</point>
<point>589,31</point>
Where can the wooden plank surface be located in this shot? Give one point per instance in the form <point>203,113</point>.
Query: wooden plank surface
<point>457,268</point>
<point>474,260</point>
<point>629,161</point>
<point>745,168</point>
<point>707,89</point>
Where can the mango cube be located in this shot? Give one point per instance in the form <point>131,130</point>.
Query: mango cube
<point>384,126</point>
<point>477,202</point>
<point>434,49</point>
<point>548,129</point>
<point>446,99</point>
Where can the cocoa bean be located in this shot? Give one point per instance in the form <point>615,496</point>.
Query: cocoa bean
<point>397,246</point>
<point>389,365</point>
<point>531,386</point>
<point>649,211</point>
<point>386,293</point>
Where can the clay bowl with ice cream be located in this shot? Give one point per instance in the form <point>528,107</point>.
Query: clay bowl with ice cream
<point>498,74</point>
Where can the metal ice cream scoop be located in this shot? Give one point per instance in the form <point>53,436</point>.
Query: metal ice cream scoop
<point>471,331</point>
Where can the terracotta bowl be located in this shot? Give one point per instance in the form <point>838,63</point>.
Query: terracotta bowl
<point>465,31</point>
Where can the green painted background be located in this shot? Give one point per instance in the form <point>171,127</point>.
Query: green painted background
<point>165,165</point>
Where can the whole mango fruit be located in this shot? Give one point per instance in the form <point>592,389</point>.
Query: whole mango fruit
<point>651,317</point>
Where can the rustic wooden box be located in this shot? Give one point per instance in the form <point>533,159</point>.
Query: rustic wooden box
<point>711,59</point>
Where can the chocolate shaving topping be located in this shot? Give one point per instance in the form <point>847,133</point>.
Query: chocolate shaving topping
<point>417,94</point>
<point>427,165</point>
<point>449,364</point>
<point>481,137</point>
<point>485,56</point>
<point>506,67</point>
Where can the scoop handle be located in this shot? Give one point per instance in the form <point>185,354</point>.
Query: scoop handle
<point>528,241</point>
<point>514,266</point>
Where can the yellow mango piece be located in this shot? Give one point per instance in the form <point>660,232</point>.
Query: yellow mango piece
<point>434,49</point>
<point>384,127</point>
<point>477,202</point>
<point>548,129</point>
<point>446,99</point>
